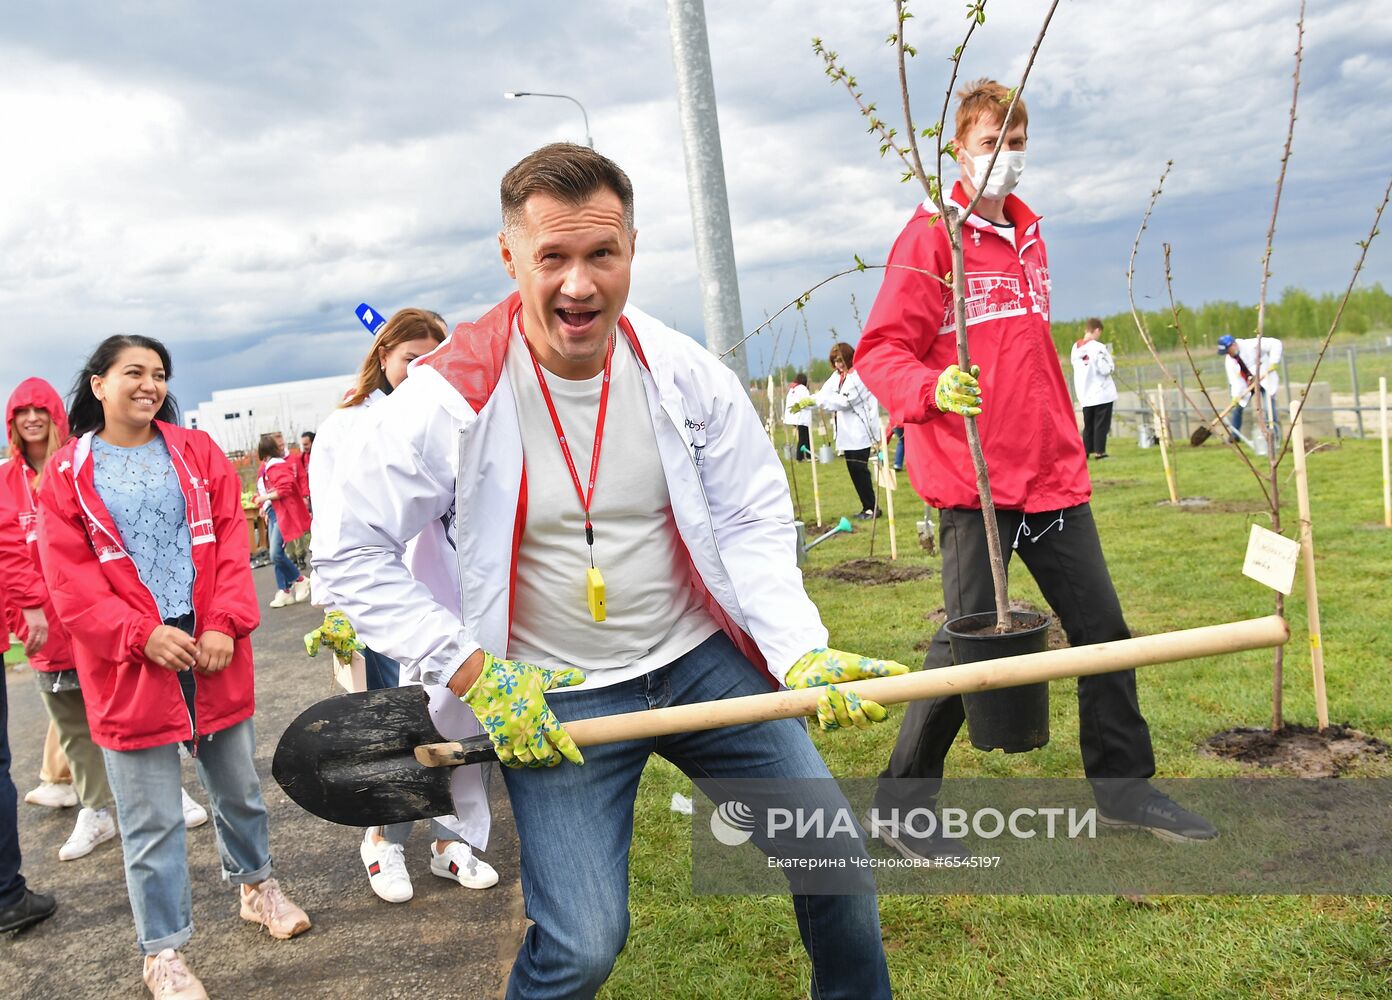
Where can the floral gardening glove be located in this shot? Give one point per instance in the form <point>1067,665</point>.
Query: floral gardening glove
<point>336,633</point>
<point>509,700</point>
<point>835,709</point>
<point>958,392</point>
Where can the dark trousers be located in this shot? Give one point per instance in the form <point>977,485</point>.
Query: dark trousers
<point>1067,563</point>
<point>1097,423</point>
<point>804,446</point>
<point>11,881</point>
<point>858,465</point>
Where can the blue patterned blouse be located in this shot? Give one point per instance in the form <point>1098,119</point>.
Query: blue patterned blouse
<point>141,490</point>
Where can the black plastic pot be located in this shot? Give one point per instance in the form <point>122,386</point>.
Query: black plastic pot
<point>1012,719</point>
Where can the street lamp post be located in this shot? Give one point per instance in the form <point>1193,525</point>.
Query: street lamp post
<point>513,94</point>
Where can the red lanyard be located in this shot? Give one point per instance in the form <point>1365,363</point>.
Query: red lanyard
<point>585,499</point>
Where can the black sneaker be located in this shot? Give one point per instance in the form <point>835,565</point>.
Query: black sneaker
<point>911,843</point>
<point>32,908</point>
<point>1165,818</point>
<point>865,515</point>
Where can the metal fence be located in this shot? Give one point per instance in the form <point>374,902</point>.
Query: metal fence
<point>1343,399</point>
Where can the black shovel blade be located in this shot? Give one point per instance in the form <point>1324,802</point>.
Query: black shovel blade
<point>351,759</point>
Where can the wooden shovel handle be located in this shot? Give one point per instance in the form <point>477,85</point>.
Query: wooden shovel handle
<point>986,675</point>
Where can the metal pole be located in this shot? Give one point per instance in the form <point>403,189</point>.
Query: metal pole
<point>1353,376</point>
<point>705,183</point>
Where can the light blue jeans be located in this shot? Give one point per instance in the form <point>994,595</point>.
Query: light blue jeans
<point>149,806</point>
<point>286,572</point>
<point>575,825</point>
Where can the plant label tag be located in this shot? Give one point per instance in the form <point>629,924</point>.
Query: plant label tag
<point>1271,559</point>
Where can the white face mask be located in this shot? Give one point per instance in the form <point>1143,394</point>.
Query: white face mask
<point>1005,174</point>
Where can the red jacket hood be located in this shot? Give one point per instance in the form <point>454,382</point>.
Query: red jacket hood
<point>37,393</point>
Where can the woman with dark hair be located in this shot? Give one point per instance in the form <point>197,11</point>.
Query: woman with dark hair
<point>409,334</point>
<point>144,547</point>
<point>38,426</point>
<point>795,415</point>
<point>281,495</point>
<point>857,416</point>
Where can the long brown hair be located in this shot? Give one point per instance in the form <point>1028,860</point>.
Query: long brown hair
<point>405,325</point>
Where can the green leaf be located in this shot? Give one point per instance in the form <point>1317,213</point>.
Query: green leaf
<point>860,264</point>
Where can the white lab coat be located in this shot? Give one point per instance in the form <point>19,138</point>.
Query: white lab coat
<point>430,556</point>
<point>1270,366</point>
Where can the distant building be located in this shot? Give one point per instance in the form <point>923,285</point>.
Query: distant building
<point>236,418</point>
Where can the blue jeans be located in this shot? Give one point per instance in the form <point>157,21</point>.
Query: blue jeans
<point>286,572</point>
<point>12,885</point>
<point>380,671</point>
<point>1268,401</point>
<point>899,449</point>
<point>575,825</point>
<point>150,810</point>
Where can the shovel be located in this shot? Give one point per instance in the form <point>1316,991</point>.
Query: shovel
<point>1205,432</point>
<point>375,757</point>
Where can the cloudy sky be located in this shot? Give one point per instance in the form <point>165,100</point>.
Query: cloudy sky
<point>235,178</point>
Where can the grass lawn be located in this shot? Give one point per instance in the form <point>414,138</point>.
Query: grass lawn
<point>1173,569</point>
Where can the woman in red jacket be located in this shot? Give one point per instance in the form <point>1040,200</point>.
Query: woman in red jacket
<point>281,496</point>
<point>144,546</point>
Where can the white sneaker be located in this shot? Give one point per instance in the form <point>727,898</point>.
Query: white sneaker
<point>386,869</point>
<point>94,826</point>
<point>299,590</point>
<point>457,862</point>
<point>52,794</point>
<point>194,814</point>
<point>169,978</point>
<point>282,599</point>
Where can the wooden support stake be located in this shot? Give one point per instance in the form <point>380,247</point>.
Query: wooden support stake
<point>887,477</point>
<point>1162,434</point>
<point>816,457</point>
<point>1307,557</point>
<point>1386,464</point>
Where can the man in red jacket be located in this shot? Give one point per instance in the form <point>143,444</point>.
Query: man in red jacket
<point>1039,475</point>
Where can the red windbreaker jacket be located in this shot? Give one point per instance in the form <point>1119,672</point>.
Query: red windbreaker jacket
<point>19,504</point>
<point>282,476</point>
<point>131,702</point>
<point>1034,452</point>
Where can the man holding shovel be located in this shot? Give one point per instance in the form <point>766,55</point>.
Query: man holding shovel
<point>625,541</point>
<point>1037,465</point>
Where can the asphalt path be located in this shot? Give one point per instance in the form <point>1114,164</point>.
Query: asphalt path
<point>447,942</point>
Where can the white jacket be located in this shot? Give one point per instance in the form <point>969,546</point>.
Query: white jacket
<point>857,412</point>
<point>431,560</point>
<point>449,436</point>
<point>1271,351</point>
<point>796,393</point>
<point>1092,373</point>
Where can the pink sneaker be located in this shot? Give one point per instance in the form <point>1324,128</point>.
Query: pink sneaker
<point>266,905</point>
<point>170,979</point>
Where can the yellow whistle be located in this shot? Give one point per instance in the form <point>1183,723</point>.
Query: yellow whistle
<point>594,593</point>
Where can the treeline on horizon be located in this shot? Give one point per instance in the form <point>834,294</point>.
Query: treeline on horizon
<point>1296,315</point>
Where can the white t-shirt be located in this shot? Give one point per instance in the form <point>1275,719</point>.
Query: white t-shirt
<point>653,613</point>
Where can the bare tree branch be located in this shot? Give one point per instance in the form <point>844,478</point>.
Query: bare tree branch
<point>917,165</point>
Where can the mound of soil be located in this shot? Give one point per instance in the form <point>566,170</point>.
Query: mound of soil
<point>1299,750</point>
<point>938,616</point>
<point>874,571</point>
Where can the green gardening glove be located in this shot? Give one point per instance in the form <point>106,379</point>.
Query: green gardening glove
<point>837,709</point>
<point>509,699</point>
<point>958,392</point>
<point>337,633</point>
<point>806,403</point>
